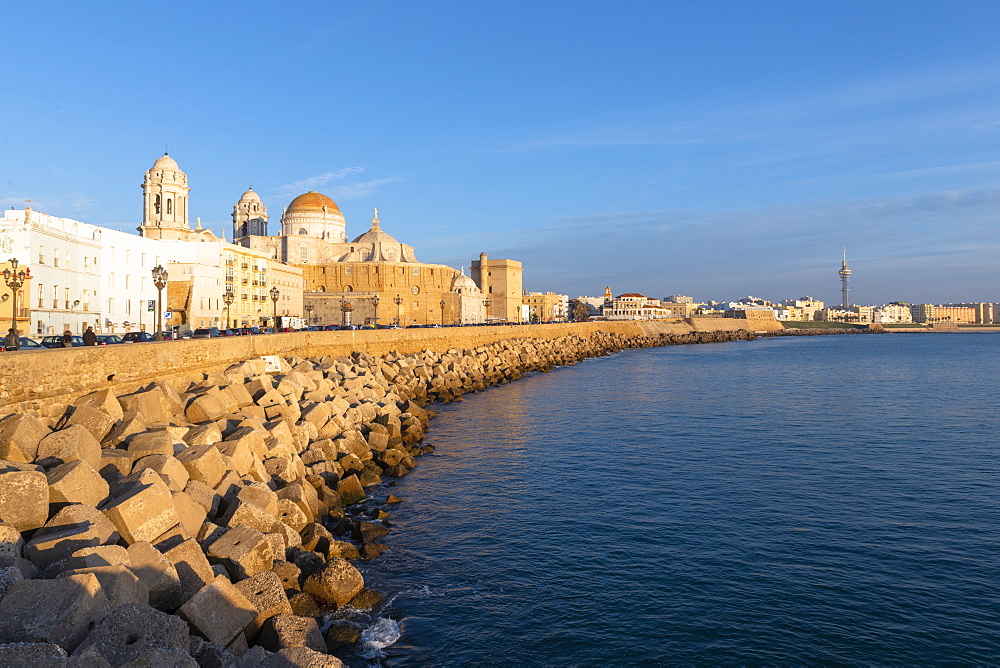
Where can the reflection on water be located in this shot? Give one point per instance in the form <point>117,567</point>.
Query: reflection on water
<point>824,499</point>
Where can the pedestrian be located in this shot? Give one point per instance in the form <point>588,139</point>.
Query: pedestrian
<point>89,338</point>
<point>67,339</point>
<point>11,341</point>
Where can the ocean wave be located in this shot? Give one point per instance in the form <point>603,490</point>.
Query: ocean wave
<point>374,639</point>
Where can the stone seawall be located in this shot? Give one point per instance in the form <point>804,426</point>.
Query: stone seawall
<point>42,382</point>
<point>215,521</point>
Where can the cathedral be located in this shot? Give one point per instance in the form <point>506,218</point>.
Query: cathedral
<point>371,279</point>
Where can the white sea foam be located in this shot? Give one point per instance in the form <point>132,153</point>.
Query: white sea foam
<point>377,637</point>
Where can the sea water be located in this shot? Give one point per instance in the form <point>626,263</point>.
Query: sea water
<point>828,499</point>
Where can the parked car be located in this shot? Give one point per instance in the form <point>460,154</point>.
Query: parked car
<point>109,339</point>
<point>138,337</point>
<point>25,344</point>
<point>228,332</point>
<point>56,341</point>
<point>206,333</point>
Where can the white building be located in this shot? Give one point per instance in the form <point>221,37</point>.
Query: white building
<point>128,296</point>
<point>634,306</point>
<point>893,314</point>
<point>63,257</point>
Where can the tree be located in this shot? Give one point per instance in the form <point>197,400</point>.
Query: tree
<point>578,310</point>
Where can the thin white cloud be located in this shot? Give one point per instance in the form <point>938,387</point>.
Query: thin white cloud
<point>318,181</point>
<point>893,110</point>
<point>349,191</point>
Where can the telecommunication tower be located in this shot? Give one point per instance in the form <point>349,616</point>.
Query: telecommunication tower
<point>845,276</point>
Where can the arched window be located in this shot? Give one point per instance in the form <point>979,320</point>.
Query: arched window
<point>156,204</point>
<point>169,206</point>
<point>303,230</point>
<point>322,288</point>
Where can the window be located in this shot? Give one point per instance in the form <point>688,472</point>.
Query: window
<point>55,257</point>
<point>41,295</point>
<point>303,230</point>
<point>66,295</point>
<point>86,263</point>
<point>348,270</point>
<point>55,296</point>
<point>111,280</point>
<point>416,271</point>
<point>111,305</point>
<point>41,255</point>
<point>127,281</point>
<point>156,204</point>
<point>128,307</point>
<point>169,206</point>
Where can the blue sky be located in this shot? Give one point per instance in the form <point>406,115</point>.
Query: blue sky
<point>715,149</point>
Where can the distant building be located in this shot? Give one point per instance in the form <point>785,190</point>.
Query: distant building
<point>594,303</point>
<point>808,308</point>
<point>634,306</point>
<point>501,284</point>
<point>851,314</point>
<point>546,307</point>
<point>681,309</point>
<point>947,313</point>
<point>892,314</point>
<point>985,313</point>
<point>679,299</point>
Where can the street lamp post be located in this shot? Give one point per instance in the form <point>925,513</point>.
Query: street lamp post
<point>160,281</point>
<point>309,312</point>
<point>486,309</point>
<point>14,280</point>
<point>399,310</point>
<point>228,298</point>
<point>275,293</point>
<point>345,313</point>
<point>442,313</point>
<point>375,301</point>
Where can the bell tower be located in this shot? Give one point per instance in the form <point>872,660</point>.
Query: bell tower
<point>165,201</point>
<point>249,217</point>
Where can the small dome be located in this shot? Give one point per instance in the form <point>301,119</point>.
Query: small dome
<point>376,236</point>
<point>313,202</point>
<point>463,282</point>
<point>165,162</point>
<point>250,196</point>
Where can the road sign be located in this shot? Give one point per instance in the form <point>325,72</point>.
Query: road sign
<point>150,305</point>
<point>166,316</point>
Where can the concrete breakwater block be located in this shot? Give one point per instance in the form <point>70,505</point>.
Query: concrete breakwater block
<point>211,520</point>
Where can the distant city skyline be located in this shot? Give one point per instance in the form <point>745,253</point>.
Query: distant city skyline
<point>714,149</point>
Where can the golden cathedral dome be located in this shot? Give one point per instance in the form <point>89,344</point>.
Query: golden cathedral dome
<point>312,201</point>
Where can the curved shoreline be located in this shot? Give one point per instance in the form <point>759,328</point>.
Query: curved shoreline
<point>227,510</point>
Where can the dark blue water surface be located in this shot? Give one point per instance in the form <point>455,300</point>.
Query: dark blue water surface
<point>828,499</point>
